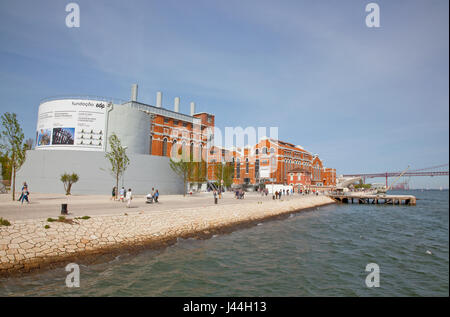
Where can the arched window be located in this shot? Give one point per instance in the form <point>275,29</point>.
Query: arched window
<point>164,149</point>
<point>183,150</point>
<point>257,151</point>
<point>174,148</point>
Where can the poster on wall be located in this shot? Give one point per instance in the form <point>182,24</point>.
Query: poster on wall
<point>71,124</point>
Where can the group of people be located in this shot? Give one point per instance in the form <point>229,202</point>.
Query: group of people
<point>284,192</point>
<point>127,195</point>
<point>263,191</point>
<point>239,193</point>
<point>25,193</point>
<point>124,195</point>
<point>153,196</point>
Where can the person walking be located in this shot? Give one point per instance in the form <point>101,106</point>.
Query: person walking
<point>21,194</point>
<point>122,194</point>
<point>129,197</point>
<point>113,193</point>
<point>25,194</point>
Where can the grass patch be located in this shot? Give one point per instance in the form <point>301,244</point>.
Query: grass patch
<point>47,227</point>
<point>61,219</point>
<point>84,217</point>
<point>4,222</point>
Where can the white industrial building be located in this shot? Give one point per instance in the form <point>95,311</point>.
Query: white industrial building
<point>72,136</point>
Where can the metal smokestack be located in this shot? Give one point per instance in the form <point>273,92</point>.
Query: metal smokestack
<point>159,99</point>
<point>192,108</point>
<point>176,107</point>
<point>134,92</point>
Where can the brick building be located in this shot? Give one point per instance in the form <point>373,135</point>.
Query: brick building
<point>273,161</point>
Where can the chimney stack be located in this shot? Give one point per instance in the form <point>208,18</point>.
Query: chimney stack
<point>177,104</point>
<point>192,108</point>
<point>159,99</point>
<point>134,92</point>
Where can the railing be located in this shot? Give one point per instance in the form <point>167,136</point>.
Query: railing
<point>116,101</point>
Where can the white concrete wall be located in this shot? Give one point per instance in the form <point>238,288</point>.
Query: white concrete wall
<point>132,127</point>
<point>42,171</point>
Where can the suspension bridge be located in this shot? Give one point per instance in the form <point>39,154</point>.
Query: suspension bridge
<point>438,170</point>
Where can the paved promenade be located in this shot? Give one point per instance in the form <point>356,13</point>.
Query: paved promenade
<point>28,245</point>
<point>49,205</point>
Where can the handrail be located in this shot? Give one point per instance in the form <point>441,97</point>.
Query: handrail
<point>87,97</point>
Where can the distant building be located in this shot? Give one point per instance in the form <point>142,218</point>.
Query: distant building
<point>273,161</point>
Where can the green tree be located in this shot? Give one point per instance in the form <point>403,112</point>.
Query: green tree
<point>6,168</point>
<point>224,172</point>
<point>199,172</point>
<point>183,165</point>
<point>68,180</point>
<point>183,168</point>
<point>117,157</point>
<point>12,146</point>
<point>29,143</point>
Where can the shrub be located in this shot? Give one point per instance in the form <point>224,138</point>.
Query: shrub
<point>51,220</point>
<point>47,227</point>
<point>4,222</point>
<point>68,180</point>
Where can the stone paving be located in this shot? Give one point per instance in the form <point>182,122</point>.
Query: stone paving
<point>27,245</point>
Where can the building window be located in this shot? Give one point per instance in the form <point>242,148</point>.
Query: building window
<point>246,166</point>
<point>257,151</point>
<point>164,149</point>
<point>184,124</point>
<point>264,150</point>
<point>174,147</point>
<point>238,169</point>
<point>183,149</point>
<point>150,145</point>
<point>257,168</point>
<point>191,151</point>
<point>166,120</point>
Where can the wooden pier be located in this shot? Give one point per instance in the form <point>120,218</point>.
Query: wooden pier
<point>375,199</point>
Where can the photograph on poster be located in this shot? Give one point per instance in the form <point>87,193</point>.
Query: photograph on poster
<point>64,136</point>
<point>44,137</point>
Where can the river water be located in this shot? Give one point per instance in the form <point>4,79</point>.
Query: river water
<point>322,252</point>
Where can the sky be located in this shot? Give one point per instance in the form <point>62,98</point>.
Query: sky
<point>365,99</point>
